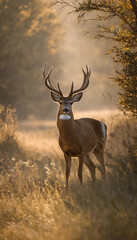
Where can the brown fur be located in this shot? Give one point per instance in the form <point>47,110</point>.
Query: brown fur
<point>77,139</point>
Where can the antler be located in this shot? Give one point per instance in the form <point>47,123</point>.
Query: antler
<point>84,84</point>
<point>48,83</point>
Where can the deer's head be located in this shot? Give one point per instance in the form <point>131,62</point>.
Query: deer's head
<point>65,109</point>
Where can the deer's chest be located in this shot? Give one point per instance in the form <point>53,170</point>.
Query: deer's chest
<point>70,147</point>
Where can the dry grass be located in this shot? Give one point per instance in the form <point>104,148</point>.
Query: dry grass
<point>33,200</point>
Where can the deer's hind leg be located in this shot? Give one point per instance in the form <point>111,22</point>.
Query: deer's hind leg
<point>99,154</point>
<point>91,166</point>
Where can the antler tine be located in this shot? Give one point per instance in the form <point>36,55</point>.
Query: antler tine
<point>84,84</point>
<point>61,94</point>
<point>88,71</point>
<point>44,72</point>
<point>71,90</point>
<point>48,83</point>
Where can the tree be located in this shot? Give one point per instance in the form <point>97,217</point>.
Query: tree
<point>30,35</point>
<point>117,20</point>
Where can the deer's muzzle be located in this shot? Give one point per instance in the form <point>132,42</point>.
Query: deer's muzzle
<point>65,110</point>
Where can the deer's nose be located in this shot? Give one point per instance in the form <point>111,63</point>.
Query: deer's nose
<point>65,110</point>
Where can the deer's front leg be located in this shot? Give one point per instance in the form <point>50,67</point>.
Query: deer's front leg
<point>68,166</point>
<point>80,168</point>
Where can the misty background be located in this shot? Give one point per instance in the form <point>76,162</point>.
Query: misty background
<point>34,34</point>
<point>79,49</point>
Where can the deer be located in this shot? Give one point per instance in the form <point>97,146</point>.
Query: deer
<point>78,137</point>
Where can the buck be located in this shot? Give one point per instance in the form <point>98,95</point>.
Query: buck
<point>80,137</point>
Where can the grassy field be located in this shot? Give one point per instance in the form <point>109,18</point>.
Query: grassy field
<point>33,201</point>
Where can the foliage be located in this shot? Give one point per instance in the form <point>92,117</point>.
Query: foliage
<point>30,35</point>
<point>117,20</point>
<point>9,147</point>
<point>33,201</point>
<point>8,123</point>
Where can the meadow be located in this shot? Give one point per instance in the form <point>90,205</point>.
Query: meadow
<point>34,203</point>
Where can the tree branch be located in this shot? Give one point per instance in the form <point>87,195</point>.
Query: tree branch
<point>134,6</point>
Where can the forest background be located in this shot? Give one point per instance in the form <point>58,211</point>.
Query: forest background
<point>33,34</point>
<point>34,203</point>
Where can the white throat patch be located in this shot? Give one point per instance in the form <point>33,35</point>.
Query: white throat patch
<point>64,117</point>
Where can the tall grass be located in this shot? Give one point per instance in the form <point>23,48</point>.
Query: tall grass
<point>33,200</point>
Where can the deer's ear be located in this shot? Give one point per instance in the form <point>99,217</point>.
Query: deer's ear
<point>77,97</point>
<point>55,97</point>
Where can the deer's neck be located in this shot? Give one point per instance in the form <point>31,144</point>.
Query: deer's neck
<point>66,127</point>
